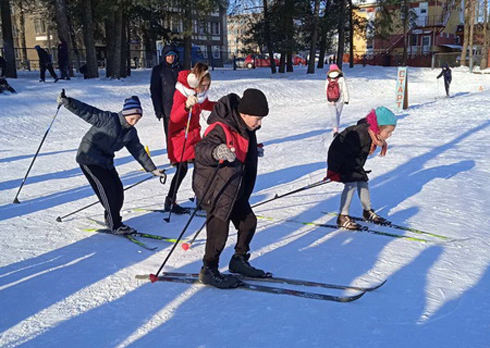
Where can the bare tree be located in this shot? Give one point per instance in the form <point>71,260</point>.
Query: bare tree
<point>314,38</point>
<point>340,51</point>
<point>64,29</point>
<point>8,38</point>
<point>89,41</point>
<point>484,59</point>
<point>467,5</point>
<point>267,34</point>
<point>472,30</point>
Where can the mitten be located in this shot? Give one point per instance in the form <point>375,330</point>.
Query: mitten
<point>190,102</point>
<point>62,99</point>
<point>222,152</point>
<point>159,172</point>
<point>332,176</point>
<point>260,150</point>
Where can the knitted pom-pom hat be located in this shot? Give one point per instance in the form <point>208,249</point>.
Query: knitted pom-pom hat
<point>132,106</point>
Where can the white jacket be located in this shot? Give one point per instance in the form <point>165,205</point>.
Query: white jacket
<point>344,93</point>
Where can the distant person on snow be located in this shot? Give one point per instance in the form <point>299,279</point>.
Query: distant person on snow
<point>346,158</point>
<point>4,85</point>
<point>337,95</point>
<point>45,63</point>
<point>230,137</point>
<point>110,132</point>
<point>191,96</point>
<point>162,86</point>
<point>446,72</point>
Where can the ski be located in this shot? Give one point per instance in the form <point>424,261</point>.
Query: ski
<point>280,280</point>
<point>129,237</point>
<point>262,288</point>
<point>316,224</point>
<point>397,227</point>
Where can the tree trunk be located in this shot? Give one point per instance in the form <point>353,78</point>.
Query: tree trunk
<point>89,40</point>
<point>187,20</point>
<point>351,36</point>
<point>124,44</point>
<point>314,38</point>
<point>282,63</point>
<point>8,38</point>
<point>466,32</point>
<point>268,39</point>
<point>289,62</point>
<point>22,32</point>
<point>323,36</point>
<point>484,58</point>
<point>340,51</point>
<point>64,30</point>
<point>406,10</point>
<point>472,30</point>
<point>113,42</point>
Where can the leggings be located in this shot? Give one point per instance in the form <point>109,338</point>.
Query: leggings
<point>335,112</point>
<point>177,180</point>
<point>348,194</point>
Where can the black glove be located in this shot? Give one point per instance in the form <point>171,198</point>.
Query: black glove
<point>62,98</point>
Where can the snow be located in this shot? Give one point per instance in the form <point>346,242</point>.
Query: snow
<point>63,287</point>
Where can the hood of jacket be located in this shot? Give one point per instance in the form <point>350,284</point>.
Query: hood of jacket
<point>226,111</point>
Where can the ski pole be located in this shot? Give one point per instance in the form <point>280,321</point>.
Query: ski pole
<point>177,174</point>
<point>16,200</point>
<point>154,277</point>
<point>60,218</point>
<point>307,187</point>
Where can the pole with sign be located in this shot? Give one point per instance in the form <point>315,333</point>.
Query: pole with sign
<point>402,89</point>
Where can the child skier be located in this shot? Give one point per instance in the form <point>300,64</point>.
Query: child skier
<point>346,158</point>
<point>337,95</point>
<point>231,138</point>
<point>191,95</point>
<point>446,72</point>
<point>110,132</point>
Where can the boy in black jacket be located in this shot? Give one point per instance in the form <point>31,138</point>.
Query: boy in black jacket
<point>110,132</point>
<point>446,72</point>
<point>230,138</point>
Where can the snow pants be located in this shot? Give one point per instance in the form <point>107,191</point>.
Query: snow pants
<point>48,66</point>
<point>177,180</point>
<point>447,83</point>
<point>348,193</point>
<point>335,112</point>
<point>109,189</point>
<point>217,230</point>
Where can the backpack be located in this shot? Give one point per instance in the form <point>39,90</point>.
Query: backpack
<point>333,90</point>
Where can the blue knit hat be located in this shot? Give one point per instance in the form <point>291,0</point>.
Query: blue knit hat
<point>132,106</point>
<point>385,116</point>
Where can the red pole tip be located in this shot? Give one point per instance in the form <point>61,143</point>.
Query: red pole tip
<point>185,246</point>
<point>153,278</point>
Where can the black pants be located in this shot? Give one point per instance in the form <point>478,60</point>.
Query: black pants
<point>48,66</point>
<point>177,180</point>
<point>165,121</point>
<point>108,187</point>
<point>64,71</point>
<point>245,222</point>
<point>446,86</point>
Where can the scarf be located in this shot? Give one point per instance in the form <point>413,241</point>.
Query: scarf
<point>186,92</point>
<point>373,131</point>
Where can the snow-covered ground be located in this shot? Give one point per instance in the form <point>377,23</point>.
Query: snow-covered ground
<point>63,287</point>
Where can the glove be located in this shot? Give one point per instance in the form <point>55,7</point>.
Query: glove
<point>260,150</point>
<point>222,152</point>
<point>159,172</point>
<point>333,176</point>
<point>62,99</point>
<point>190,102</point>
<point>346,103</point>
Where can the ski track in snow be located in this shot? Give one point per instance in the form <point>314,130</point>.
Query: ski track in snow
<point>60,286</point>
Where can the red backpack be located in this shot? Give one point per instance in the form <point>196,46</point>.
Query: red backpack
<point>333,90</point>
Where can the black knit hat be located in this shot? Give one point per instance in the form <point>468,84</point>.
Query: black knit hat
<point>253,103</point>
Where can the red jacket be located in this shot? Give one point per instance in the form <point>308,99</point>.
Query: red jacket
<point>178,122</point>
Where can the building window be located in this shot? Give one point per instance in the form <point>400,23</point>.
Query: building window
<point>215,28</point>
<point>204,51</point>
<point>39,26</point>
<point>201,29</point>
<point>216,52</point>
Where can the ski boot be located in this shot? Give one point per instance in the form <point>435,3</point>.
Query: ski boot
<point>176,209</point>
<point>371,216</point>
<point>123,230</point>
<point>346,222</point>
<point>213,277</point>
<point>239,264</point>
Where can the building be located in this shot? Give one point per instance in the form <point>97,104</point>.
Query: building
<point>434,30</point>
<point>238,28</point>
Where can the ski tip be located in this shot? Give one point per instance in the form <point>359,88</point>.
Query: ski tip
<point>142,276</point>
<point>352,298</point>
<point>378,286</point>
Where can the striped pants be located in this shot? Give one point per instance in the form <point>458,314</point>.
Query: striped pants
<point>109,189</point>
